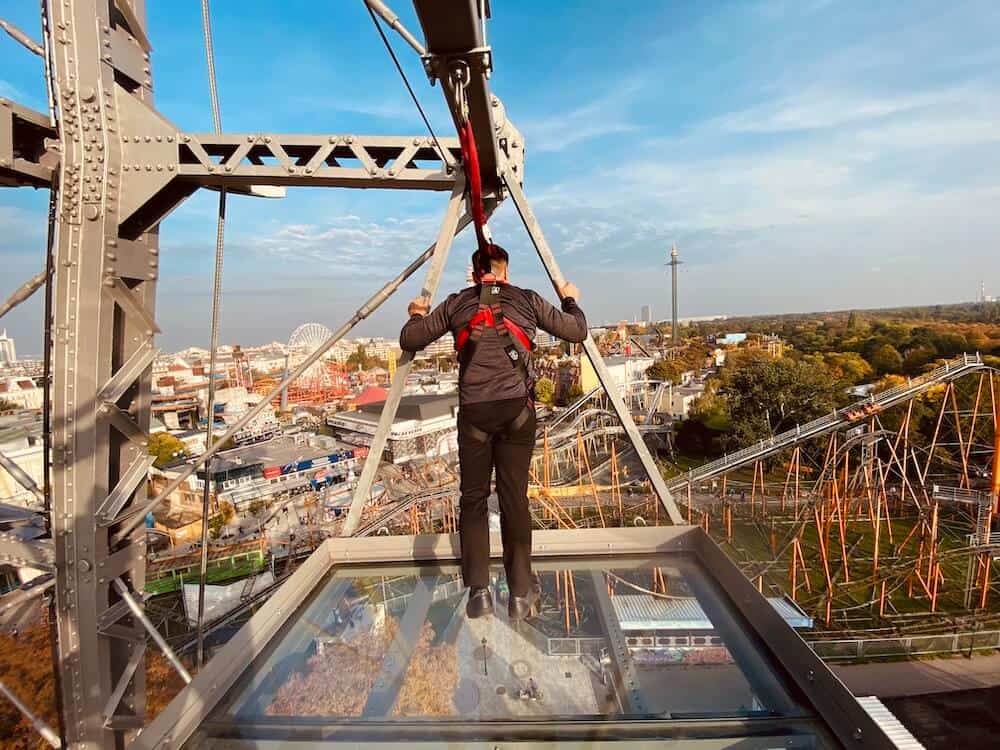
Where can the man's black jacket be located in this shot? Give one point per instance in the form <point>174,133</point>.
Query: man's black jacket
<point>489,376</point>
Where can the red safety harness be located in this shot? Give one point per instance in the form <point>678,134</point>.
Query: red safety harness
<point>490,315</point>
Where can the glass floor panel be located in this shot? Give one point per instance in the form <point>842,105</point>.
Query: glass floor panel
<point>645,640</point>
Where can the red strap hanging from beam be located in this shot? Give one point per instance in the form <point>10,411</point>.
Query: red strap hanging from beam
<point>470,158</point>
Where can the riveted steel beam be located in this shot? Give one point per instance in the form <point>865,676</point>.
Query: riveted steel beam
<point>454,34</point>
<point>27,156</point>
<point>36,553</point>
<point>103,320</point>
<point>162,166</point>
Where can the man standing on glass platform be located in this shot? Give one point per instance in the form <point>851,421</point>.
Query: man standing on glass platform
<point>493,324</point>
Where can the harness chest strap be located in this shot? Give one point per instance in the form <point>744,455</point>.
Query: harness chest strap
<point>490,315</point>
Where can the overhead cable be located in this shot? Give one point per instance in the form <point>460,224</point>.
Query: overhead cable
<point>406,82</point>
<point>220,233</point>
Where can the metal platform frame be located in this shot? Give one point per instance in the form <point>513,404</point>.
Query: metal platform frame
<point>780,662</point>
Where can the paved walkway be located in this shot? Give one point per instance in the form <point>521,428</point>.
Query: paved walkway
<point>893,679</point>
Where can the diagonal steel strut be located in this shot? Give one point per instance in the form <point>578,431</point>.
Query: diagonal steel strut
<point>431,282</point>
<point>555,275</point>
<point>137,517</point>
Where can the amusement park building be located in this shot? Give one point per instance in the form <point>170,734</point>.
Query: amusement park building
<point>257,471</point>
<point>425,426</point>
<point>622,369</point>
<point>23,392</point>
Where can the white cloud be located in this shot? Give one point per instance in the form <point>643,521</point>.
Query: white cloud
<point>605,115</point>
<point>818,109</point>
<point>348,245</point>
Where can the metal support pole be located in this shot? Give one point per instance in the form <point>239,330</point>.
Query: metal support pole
<point>555,275</point>
<point>40,726</point>
<point>23,292</point>
<point>21,477</point>
<point>137,612</point>
<point>674,322</point>
<point>385,13</point>
<point>373,303</point>
<point>449,228</point>
<point>21,38</point>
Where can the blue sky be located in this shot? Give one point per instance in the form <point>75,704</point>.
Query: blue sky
<point>803,154</point>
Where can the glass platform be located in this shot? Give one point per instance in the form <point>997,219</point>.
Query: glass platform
<point>636,647</point>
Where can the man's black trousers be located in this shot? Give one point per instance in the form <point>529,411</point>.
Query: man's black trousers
<point>489,437</point>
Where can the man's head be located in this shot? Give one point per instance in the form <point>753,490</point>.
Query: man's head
<point>497,265</point>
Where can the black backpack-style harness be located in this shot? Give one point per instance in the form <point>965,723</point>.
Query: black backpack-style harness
<point>490,315</point>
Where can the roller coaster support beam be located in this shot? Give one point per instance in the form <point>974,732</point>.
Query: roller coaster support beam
<point>513,185</point>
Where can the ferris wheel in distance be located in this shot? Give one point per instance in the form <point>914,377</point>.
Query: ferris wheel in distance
<point>321,382</point>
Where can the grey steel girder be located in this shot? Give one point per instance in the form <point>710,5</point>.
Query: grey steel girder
<point>627,675</point>
<point>37,554</point>
<point>454,33</point>
<point>27,152</point>
<point>162,166</point>
<point>102,315</point>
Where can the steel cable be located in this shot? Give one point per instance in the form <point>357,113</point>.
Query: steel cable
<point>406,82</point>
<point>220,232</point>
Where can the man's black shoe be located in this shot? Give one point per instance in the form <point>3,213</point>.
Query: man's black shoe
<point>480,602</point>
<point>520,607</point>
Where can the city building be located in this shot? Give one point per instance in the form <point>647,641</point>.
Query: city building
<point>444,346</point>
<point>8,354</point>
<point>378,347</point>
<point>647,314</point>
<point>425,426</point>
<point>622,369</point>
<point>679,627</point>
<point>682,398</point>
<point>773,345</point>
<point>22,392</point>
<point>230,406</point>
<point>545,340</point>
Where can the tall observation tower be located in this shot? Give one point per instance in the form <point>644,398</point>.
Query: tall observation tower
<point>674,262</point>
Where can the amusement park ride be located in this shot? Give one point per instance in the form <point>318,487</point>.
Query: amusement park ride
<point>116,168</point>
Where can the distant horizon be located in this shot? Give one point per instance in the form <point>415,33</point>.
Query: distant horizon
<point>728,317</point>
